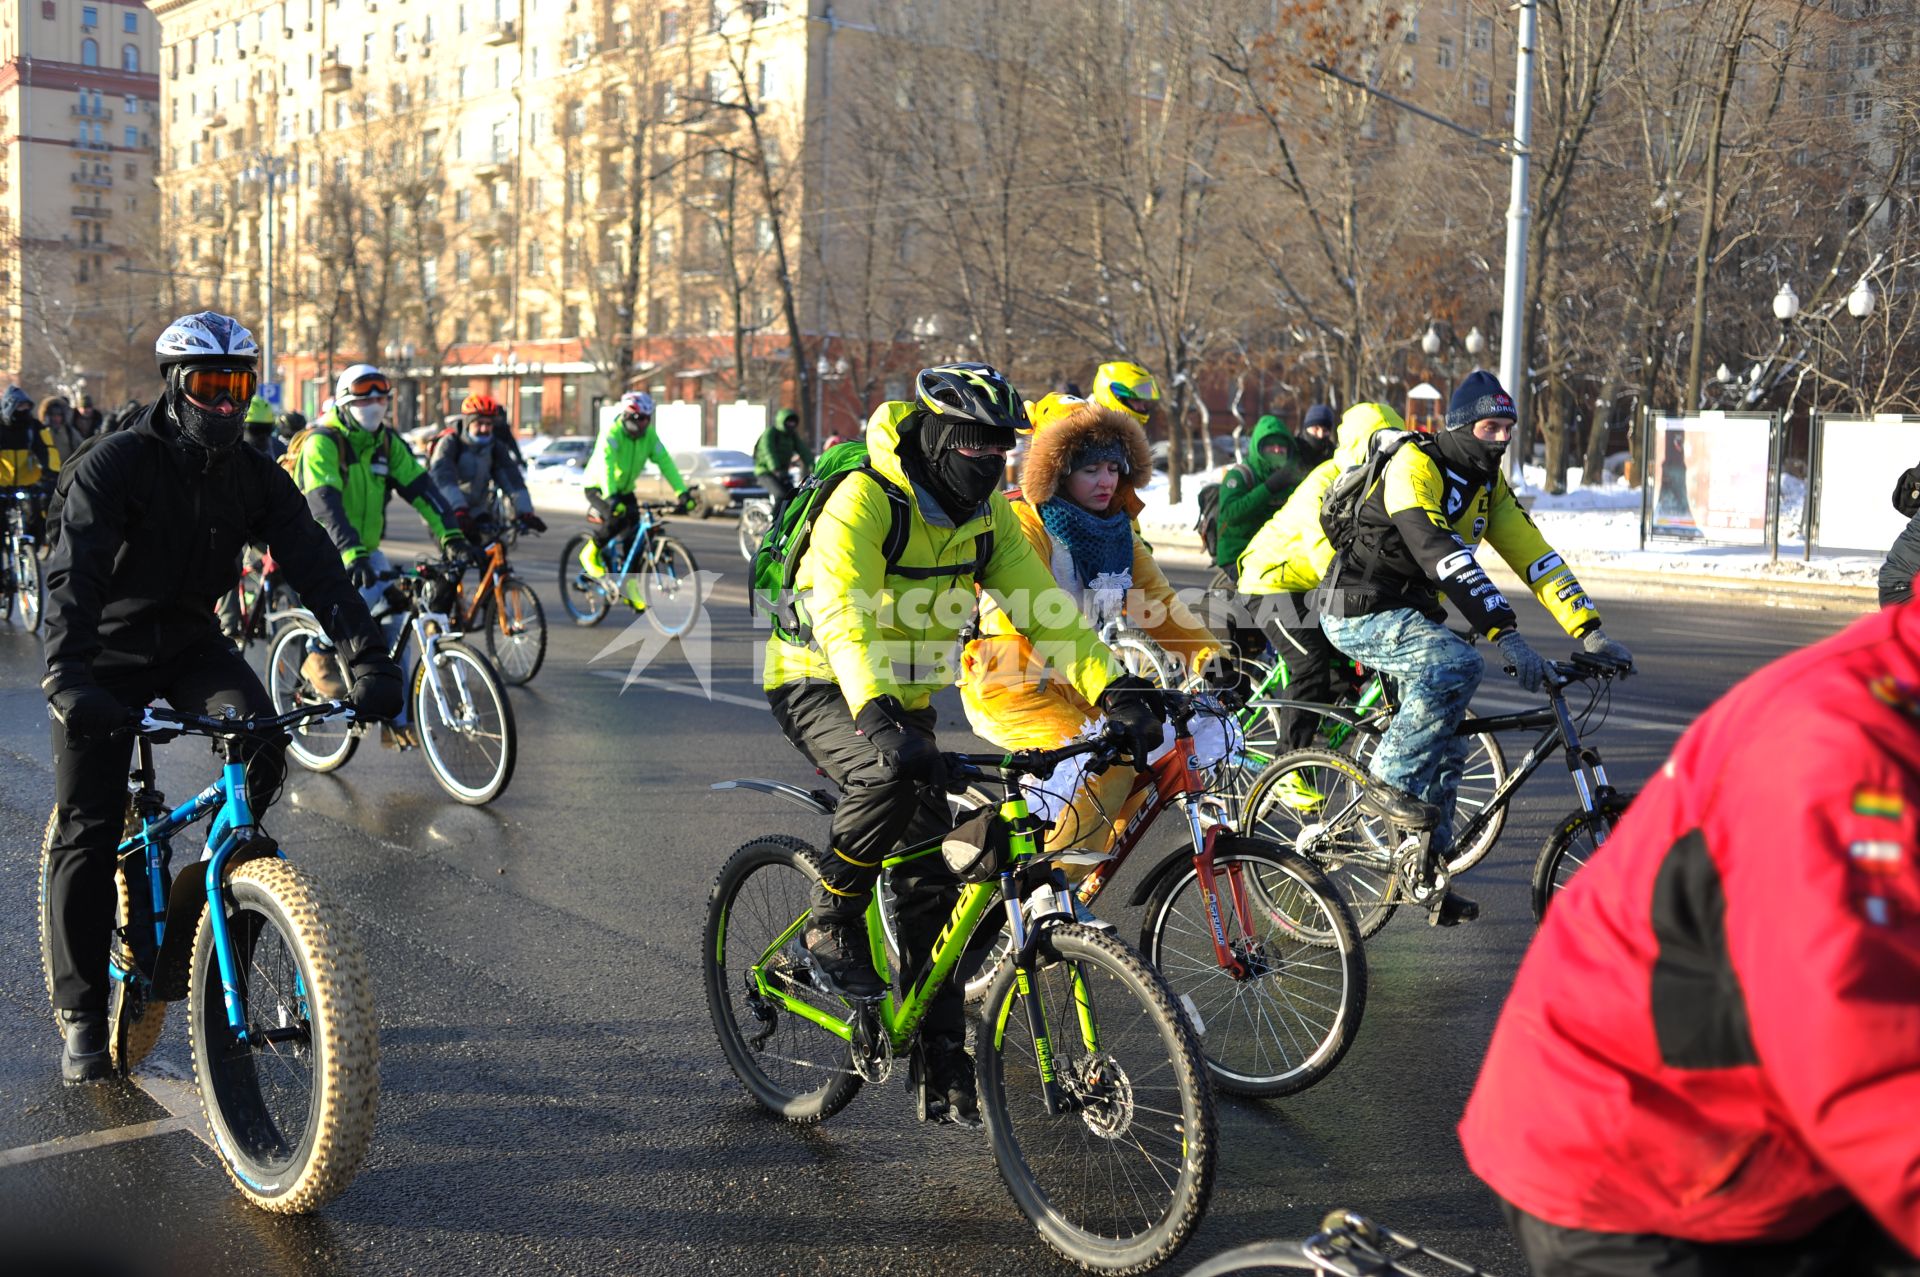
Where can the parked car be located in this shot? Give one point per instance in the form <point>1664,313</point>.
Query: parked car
<point>723,478</point>
<point>569,452</point>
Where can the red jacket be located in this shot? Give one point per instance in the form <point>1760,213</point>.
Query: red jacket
<point>1716,1034</point>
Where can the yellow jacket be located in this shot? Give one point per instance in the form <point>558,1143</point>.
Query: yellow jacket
<point>1290,552</point>
<point>893,633</point>
<point>26,454</point>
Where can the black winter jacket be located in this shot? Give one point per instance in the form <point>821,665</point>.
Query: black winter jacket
<point>1903,561</point>
<point>148,542</point>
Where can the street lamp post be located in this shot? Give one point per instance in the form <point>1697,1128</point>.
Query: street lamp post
<point>267,169</point>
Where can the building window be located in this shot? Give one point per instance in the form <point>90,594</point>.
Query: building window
<point>1482,91</point>
<point>669,26</point>
<point>130,23</point>
<point>89,16</point>
<point>89,52</point>
<point>763,81</point>
<point>1443,53</point>
<point>463,266</point>
<point>662,245</point>
<point>462,205</point>
<point>461,328</point>
<point>129,58</point>
<point>536,258</point>
<point>535,326</point>
<point>497,260</point>
<point>132,136</point>
<point>1862,108</point>
<point>46,8</point>
<point>430,277</point>
<point>1482,34</point>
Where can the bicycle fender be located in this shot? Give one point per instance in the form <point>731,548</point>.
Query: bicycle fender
<point>186,900</point>
<point>818,801</point>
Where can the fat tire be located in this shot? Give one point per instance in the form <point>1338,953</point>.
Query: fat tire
<point>345,1045</point>
<point>587,607</point>
<point>134,1024</point>
<point>1075,942</point>
<point>781,853</point>
<point>1341,934</point>
<point>285,699</point>
<point>1370,915</point>
<point>536,623</point>
<point>1560,843</point>
<point>421,701</point>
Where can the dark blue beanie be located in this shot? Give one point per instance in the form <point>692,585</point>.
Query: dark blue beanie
<point>1319,415</point>
<point>1478,395</point>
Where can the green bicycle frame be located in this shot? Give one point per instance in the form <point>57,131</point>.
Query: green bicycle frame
<point>1278,678</point>
<point>901,1018</point>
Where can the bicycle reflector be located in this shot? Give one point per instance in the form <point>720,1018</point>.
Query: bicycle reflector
<point>206,386</point>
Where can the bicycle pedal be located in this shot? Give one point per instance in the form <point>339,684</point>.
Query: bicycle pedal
<point>1452,911</point>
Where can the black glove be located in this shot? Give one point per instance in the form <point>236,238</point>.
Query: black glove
<point>1220,673</point>
<point>689,501</point>
<point>463,520</point>
<point>907,755</point>
<point>1134,707</point>
<point>376,691</point>
<point>1280,478</point>
<point>597,501</point>
<point>361,575</point>
<point>87,710</point>
<point>455,547</point>
<point>531,522</point>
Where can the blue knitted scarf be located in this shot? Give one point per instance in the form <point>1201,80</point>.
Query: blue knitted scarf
<point>1099,543</point>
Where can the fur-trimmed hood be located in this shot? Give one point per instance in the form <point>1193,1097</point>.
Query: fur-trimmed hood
<point>1045,467</point>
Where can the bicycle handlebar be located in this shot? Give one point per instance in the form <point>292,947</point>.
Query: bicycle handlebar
<point>156,721</point>
<point>1109,744</point>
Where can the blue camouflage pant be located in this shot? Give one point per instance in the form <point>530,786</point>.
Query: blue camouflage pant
<point>1435,672</point>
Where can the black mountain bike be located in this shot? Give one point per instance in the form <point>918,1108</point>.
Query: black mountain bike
<point>1318,802</point>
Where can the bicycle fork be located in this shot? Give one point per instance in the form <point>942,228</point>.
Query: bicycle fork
<point>1583,763</point>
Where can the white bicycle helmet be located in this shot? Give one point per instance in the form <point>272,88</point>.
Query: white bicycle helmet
<point>205,338</point>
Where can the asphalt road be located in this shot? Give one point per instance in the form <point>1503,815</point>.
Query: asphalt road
<point>553,1096</point>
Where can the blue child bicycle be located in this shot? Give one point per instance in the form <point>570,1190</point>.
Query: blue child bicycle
<point>279,1005</point>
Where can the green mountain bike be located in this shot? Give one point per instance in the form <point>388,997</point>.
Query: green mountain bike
<point>1093,1089</point>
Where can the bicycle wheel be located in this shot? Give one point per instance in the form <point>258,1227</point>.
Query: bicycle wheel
<point>670,588</point>
<point>29,591</point>
<point>134,1020</point>
<point>1485,772</point>
<point>291,1106</point>
<point>1119,1181</point>
<point>316,746</point>
<point>791,1066</point>
<point>516,632</point>
<point>1570,845</point>
<point>465,723</point>
<point>1286,1021</point>
<point>1308,800</point>
<point>755,518</point>
<point>581,595</point>
<point>1143,660</point>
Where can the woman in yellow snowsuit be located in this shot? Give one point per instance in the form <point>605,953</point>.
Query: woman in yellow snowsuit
<point>1077,503</point>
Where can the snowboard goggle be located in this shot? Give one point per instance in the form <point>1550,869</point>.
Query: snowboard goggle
<point>369,386</point>
<point>207,385</point>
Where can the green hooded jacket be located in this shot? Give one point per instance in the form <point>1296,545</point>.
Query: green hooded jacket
<point>619,459</point>
<point>1246,499</point>
<point>780,445</point>
<point>348,492</point>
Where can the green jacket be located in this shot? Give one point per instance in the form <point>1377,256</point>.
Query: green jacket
<point>779,446</point>
<point>1246,501</point>
<point>1290,553</point>
<point>619,459</point>
<point>348,493</point>
<point>894,633</point>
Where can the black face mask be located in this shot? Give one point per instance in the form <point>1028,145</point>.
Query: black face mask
<point>1313,449</point>
<point>207,433</point>
<point>959,483</point>
<point>1475,458</point>
<point>969,480</point>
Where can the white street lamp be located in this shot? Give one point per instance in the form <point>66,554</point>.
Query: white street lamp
<point>1786,304</point>
<point>1431,341</point>
<point>1475,343</point>
<point>1860,301</point>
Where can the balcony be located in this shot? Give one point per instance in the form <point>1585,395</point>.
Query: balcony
<point>90,112</point>
<point>492,170</point>
<point>89,212</point>
<point>336,77</point>
<point>489,228</point>
<point>90,146</point>
<point>502,33</point>
<point>97,181</point>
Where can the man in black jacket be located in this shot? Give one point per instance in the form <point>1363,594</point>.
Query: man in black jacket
<point>152,519</point>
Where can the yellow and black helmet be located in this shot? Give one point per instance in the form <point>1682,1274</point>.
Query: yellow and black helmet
<point>975,394</point>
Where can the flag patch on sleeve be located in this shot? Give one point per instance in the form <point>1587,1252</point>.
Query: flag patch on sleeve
<point>1880,803</point>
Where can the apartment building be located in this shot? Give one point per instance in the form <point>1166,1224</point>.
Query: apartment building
<point>548,200</point>
<point>78,135</point>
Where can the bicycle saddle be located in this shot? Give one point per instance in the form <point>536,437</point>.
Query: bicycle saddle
<point>1396,805</point>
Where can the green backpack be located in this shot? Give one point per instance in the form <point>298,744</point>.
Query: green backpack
<point>777,560</point>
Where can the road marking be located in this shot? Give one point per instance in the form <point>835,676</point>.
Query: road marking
<point>685,689</point>
<point>93,1139</point>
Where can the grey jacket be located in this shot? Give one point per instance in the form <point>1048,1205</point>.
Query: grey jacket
<point>465,472</point>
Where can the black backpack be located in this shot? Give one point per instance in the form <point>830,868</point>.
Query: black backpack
<point>1208,524</point>
<point>1906,493</point>
<point>1340,507</point>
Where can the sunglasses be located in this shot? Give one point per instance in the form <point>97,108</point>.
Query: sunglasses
<point>207,385</point>
<point>368,386</point>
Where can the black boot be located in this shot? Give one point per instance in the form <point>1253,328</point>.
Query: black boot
<point>841,956</point>
<point>1453,910</point>
<point>951,1094</point>
<point>84,1056</point>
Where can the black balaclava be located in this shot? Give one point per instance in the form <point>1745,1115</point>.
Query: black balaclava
<point>208,434</point>
<point>960,484</point>
<point>289,424</point>
<point>1478,396</point>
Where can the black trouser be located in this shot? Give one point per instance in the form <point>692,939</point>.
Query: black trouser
<point>1850,1244</point>
<point>608,528</point>
<point>779,489</point>
<point>1293,628</point>
<point>90,794</point>
<point>878,815</point>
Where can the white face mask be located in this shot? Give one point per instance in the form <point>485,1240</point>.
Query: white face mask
<point>370,414</point>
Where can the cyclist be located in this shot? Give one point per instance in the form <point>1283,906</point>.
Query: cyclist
<point>28,459</point>
<point>1079,491</point>
<point>1710,1055</point>
<point>625,446</point>
<point>775,453</point>
<point>260,431</point>
<point>287,425</point>
<point>1416,529</point>
<point>467,460</point>
<point>855,700</point>
<point>1126,387</point>
<point>88,417</point>
<point>347,464</point>
<point>1280,570</point>
<point>1317,438</point>
<point>152,519</point>
<point>64,434</point>
<point>1253,490</point>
